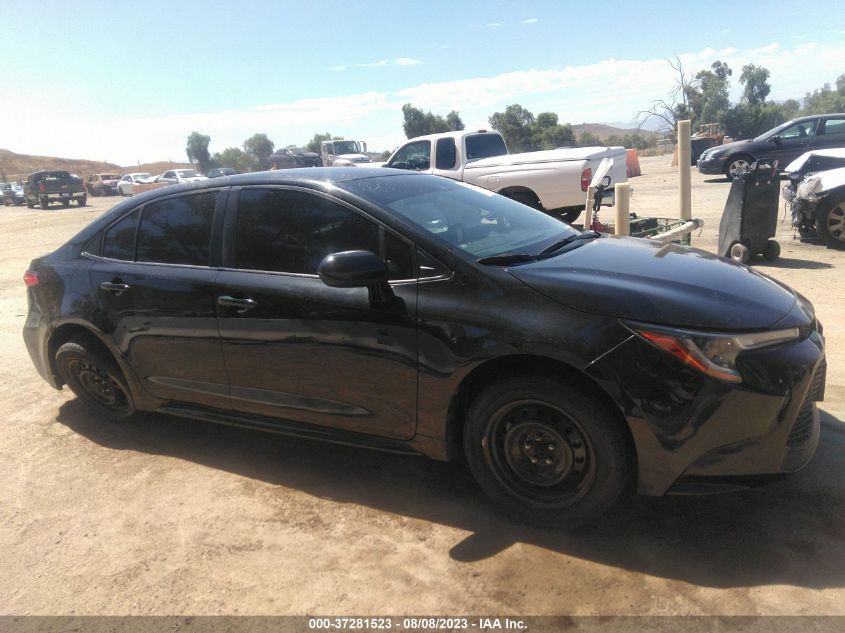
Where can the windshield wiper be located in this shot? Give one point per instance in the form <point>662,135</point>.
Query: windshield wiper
<point>506,258</point>
<point>556,246</point>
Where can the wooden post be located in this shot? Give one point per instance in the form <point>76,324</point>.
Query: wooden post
<point>684,154</point>
<point>622,193</point>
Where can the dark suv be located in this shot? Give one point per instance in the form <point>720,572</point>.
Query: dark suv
<point>408,312</point>
<point>784,143</point>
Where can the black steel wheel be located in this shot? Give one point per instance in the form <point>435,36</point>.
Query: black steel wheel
<point>95,379</point>
<point>571,214</point>
<point>830,222</point>
<point>546,452</point>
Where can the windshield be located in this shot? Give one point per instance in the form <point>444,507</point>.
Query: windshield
<point>484,146</point>
<point>766,135</point>
<point>478,222</point>
<point>109,176</point>
<point>187,173</point>
<point>346,147</point>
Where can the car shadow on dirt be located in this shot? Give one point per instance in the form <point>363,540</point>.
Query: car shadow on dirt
<point>791,262</point>
<point>788,533</point>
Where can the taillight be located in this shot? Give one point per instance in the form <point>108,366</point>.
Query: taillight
<point>30,278</point>
<point>586,177</point>
<point>42,187</point>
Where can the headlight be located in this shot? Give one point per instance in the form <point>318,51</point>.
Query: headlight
<point>711,354</point>
<point>809,187</point>
<point>711,153</point>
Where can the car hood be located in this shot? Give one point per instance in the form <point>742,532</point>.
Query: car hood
<point>799,162</point>
<point>644,280</point>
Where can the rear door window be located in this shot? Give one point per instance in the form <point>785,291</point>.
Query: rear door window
<point>177,230</point>
<point>119,238</point>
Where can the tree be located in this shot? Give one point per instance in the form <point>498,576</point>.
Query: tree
<point>679,105</point>
<point>314,144</point>
<point>419,123</point>
<point>236,158</point>
<point>453,120</point>
<point>756,84</point>
<point>197,150</point>
<point>826,99</point>
<point>586,139</point>
<point>715,97</point>
<point>258,147</point>
<point>548,133</point>
<point>515,125</point>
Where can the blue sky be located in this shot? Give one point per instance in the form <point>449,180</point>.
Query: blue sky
<point>125,82</point>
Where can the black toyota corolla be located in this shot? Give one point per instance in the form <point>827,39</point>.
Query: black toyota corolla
<point>412,313</point>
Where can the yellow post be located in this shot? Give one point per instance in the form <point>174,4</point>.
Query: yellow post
<point>622,194</point>
<point>684,154</point>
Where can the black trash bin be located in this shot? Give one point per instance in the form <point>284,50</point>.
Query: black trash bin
<point>751,214</point>
<point>698,147</point>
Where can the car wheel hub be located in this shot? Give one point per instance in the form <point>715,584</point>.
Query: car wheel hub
<point>836,222</point>
<point>98,385</point>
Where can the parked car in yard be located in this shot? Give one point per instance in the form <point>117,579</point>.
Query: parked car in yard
<point>554,181</point>
<point>815,195</point>
<point>412,313</point>
<point>126,185</point>
<point>784,143</point>
<point>12,193</point>
<point>343,153</point>
<point>102,184</point>
<point>218,172</point>
<point>290,158</point>
<point>180,176</point>
<point>44,187</point>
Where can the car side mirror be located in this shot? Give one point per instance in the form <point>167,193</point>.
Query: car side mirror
<point>776,139</point>
<point>356,269</point>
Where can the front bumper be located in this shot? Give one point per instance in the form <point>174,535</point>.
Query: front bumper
<point>692,430</point>
<point>712,166</point>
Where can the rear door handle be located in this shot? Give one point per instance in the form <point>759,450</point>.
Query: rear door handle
<point>117,288</point>
<point>237,302</point>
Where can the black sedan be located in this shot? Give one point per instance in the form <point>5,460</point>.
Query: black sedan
<point>784,143</point>
<point>413,313</point>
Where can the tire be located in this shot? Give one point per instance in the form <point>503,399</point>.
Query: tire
<point>526,198</point>
<point>772,251</point>
<point>547,452</point>
<point>44,203</point>
<point>65,203</point>
<point>570,215</point>
<point>29,205</point>
<point>737,166</point>
<point>95,379</point>
<point>740,253</point>
<point>830,222</point>
<point>81,202</point>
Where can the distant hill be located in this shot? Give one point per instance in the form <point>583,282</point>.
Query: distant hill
<point>603,130</point>
<point>18,166</point>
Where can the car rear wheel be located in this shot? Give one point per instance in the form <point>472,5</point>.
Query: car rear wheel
<point>44,203</point>
<point>571,214</point>
<point>81,202</point>
<point>546,452</point>
<point>830,222</point>
<point>738,166</point>
<point>95,379</point>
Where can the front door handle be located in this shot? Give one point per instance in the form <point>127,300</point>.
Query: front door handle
<point>236,302</point>
<point>117,288</point>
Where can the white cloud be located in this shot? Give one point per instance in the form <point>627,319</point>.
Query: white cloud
<point>726,31</point>
<point>406,61</point>
<point>608,90</point>
<point>493,25</point>
<point>531,21</point>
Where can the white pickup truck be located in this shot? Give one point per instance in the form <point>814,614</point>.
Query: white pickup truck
<point>340,153</point>
<point>554,181</point>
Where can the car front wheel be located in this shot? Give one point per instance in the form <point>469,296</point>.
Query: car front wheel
<point>737,167</point>
<point>547,452</point>
<point>95,379</point>
<point>830,222</point>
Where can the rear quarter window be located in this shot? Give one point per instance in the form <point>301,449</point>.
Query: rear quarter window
<point>177,230</point>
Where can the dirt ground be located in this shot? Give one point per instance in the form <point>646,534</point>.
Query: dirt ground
<point>172,516</point>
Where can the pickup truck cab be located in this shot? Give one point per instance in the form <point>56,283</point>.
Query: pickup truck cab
<point>44,187</point>
<point>554,181</point>
<point>341,153</point>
